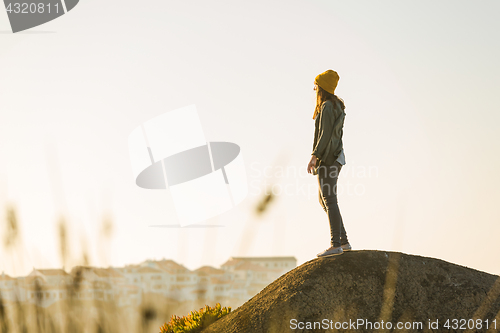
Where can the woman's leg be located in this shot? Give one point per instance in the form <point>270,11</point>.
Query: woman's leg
<point>343,233</point>
<point>321,201</point>
<point>327,179</point>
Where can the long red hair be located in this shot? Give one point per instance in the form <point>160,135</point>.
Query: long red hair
<point>323,95</point>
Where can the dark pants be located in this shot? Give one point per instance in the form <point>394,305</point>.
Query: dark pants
<point>327,179</point>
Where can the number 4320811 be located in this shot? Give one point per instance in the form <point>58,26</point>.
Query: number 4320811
<point>32,8</point>
<point>462,324</point>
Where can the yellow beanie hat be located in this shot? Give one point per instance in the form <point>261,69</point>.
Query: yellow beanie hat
<point>328,80</point>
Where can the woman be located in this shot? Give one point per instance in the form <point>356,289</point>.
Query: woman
<point>328,156</point>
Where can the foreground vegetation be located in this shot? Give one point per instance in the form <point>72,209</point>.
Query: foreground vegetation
<point>196,321</point>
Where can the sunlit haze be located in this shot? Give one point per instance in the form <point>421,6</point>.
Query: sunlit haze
<point>421,139</point>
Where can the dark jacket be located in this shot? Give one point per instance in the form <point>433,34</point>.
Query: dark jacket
<point>331,118</point>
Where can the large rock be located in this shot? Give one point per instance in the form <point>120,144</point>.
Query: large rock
<point>373,286</point>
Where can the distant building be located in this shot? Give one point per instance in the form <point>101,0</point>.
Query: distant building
<point>280,263</point>
<point>148,278</point>
<point>8,288</point>
<point>252,274</point>
<point>104,284</point>
<point>238,279</point>
<point>49,276</point>
<point>213,283</point>
<point>45,295</point>
<point>178,282</point>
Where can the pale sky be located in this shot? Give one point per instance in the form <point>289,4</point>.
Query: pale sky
<point>420,84</point>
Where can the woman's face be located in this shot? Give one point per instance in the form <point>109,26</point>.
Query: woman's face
<point>315,89</point>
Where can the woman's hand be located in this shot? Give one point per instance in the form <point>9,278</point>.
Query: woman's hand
<point>312,164</point>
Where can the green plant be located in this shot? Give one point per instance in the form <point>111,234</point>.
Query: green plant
<point>196,321</point>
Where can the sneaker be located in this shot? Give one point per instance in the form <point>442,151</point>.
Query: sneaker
<point>346,247</point>
<point>332,251</point>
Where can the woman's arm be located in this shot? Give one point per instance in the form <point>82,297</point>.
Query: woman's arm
<point>325,129</point>
<point>312,164</point>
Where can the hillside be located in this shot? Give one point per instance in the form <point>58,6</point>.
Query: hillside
<point>374,286</point>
